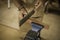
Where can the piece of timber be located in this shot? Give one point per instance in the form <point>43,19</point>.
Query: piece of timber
<point>22,21</point>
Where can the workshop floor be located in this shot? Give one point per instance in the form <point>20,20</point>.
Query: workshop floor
<point>7,33</point>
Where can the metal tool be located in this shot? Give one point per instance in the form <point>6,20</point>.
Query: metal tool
<point>26,17</point>
<point>28,14</point>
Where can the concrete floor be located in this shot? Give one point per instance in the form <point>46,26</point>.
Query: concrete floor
<point>9,29</point>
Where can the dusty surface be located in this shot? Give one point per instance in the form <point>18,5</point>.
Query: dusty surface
<point>9,17</point>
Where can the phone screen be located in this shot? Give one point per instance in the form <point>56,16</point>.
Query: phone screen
<point>36,27</point>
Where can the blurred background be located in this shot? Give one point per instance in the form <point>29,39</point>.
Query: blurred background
<point>9,22</point>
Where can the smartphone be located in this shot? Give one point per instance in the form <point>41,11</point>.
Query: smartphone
<point>36,27</point>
